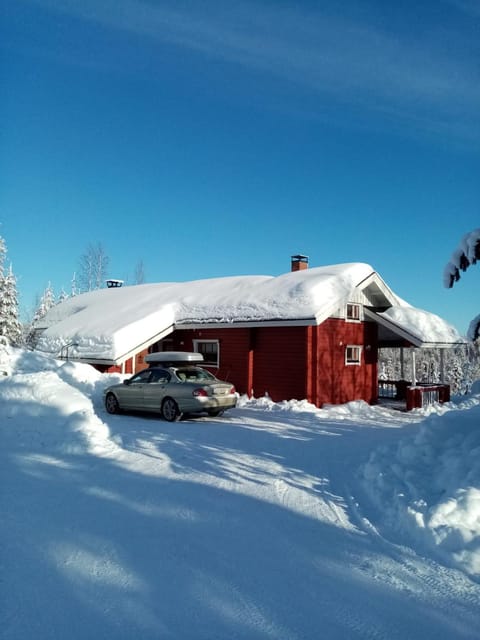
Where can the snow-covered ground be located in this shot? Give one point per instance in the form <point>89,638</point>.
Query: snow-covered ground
<point>275,521</point>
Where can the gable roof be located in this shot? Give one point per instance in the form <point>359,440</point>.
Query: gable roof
<point>110,324</point>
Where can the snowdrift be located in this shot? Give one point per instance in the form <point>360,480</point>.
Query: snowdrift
<point>275,522</point>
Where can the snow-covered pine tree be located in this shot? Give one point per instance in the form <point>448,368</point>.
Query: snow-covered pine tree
<point>461,366</point>
<point>74,290</point>
<point>3,253</point>
<point>47,301</point>
<point>10,327</point>
<point>63,295</point>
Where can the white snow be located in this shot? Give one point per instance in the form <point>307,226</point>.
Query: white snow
<point>426,327</point>
<point>275,521</point>
<point>472,332</point>
<point>466,247</point>
<point>111,323</point>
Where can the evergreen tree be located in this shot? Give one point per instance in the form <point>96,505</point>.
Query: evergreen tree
<point>47,301</point>
<point>10,327</point>
<point>461,366</point>
<point>74,290</point>
<point>3,253</point>
<point>63,295</point>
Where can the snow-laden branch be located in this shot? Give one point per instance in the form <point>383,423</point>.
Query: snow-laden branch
<point>466,254</point>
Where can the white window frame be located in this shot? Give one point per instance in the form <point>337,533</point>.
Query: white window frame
<point>357,307</point>
<point>200,341</point>
<point>353,362</point>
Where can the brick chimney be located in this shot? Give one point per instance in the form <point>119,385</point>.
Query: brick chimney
<point>299,263</point>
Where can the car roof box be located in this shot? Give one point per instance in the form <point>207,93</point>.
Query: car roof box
<point>173,358</point>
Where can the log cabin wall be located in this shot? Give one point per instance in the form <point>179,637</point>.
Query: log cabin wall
<point>333,380</point>
<point>288,362</point>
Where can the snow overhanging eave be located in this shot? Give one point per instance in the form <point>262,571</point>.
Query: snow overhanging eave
<point>442,345</point>
<point>117,360</point>
<point>399,331</point>
<point>244,324</point>
<point>143,345</point>
<point>407,335</point>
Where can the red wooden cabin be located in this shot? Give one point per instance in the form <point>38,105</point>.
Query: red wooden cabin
<point>320,342</point>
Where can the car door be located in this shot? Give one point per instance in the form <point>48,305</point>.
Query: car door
<point>156,389</point>
<point>132,393</point>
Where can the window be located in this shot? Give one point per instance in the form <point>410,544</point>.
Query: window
<point>210,351</point>
<point>353,354</point>
<point>143,376</point>
<point>160,376</point>
<point>353,312</point>
<point>162,345</point>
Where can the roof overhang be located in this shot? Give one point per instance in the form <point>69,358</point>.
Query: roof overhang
<point>91,359</point>
<point>392,334</point>
<point>246,324</point>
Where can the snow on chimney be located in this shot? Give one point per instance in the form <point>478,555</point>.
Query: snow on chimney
<point>299,262</point>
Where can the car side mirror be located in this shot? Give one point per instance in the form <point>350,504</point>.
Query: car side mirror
<point>126,381</point>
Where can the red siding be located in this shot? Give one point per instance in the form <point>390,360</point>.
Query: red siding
<point>279,363</point>
<point>257,360</point>
<point>290,362</point>
<point>295,362</point>
<point>337,382</point>
<point>234,352</point>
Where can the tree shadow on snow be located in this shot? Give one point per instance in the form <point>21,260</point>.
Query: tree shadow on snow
<point>96,547</point>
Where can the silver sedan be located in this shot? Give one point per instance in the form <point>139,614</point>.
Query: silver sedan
<point>172,391</point>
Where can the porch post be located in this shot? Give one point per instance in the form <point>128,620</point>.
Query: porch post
<point>402,363</point>
<point>442,366</point>
<point>414,375</point>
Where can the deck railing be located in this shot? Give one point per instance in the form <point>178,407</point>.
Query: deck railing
<point>415,397</point>
<point>393,389</point>
<point>423,395</point>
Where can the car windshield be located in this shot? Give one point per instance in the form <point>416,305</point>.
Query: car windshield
<point>194,374</point>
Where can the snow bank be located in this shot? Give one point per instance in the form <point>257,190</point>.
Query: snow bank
<point>124,527</point>
<point>427,487</point>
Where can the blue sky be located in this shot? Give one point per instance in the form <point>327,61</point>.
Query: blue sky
<point>219,138</point>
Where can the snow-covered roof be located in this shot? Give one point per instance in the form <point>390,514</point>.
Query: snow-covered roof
<point>111,324</point>
<point>421,328</point>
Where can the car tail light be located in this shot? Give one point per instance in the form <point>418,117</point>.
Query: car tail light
<point>232,391</point>
<point>199,393</point>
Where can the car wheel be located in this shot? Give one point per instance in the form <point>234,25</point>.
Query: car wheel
<point>111,404</point>
<point>213,413</point>
<point>170,410</point>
